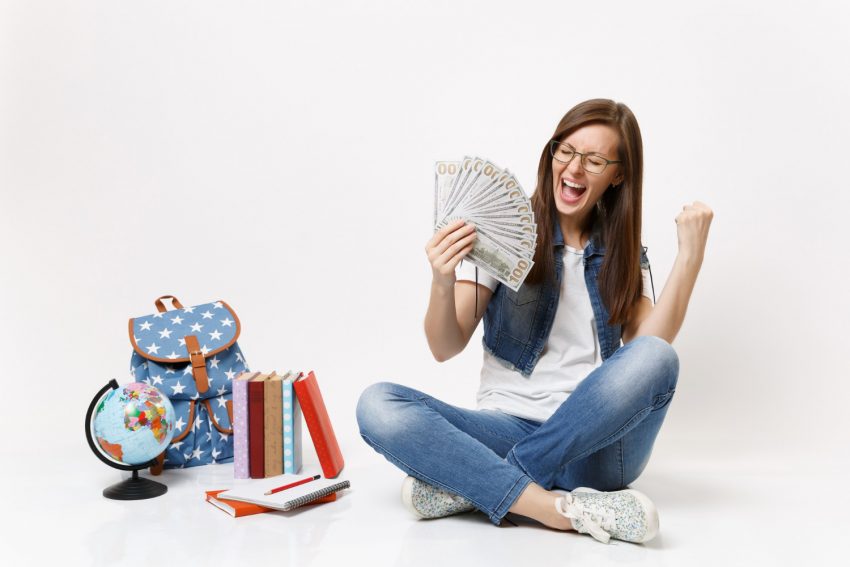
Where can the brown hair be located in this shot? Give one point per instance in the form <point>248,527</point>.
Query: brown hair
<point>618,212</point>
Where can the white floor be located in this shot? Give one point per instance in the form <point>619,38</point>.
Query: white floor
<point>724,509</point>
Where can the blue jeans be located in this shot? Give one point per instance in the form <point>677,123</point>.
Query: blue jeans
<point>601,437</point>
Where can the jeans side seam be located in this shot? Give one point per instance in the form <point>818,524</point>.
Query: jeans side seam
<point>622,459</point>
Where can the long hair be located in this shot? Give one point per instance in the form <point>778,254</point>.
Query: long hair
<point>618,212</point>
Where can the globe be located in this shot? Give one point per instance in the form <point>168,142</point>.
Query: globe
<point>134,423</point>
<point>127,427</point>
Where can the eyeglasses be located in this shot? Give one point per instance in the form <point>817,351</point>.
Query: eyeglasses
<point>592,163</point>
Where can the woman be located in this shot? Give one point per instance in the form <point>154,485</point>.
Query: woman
<point>567,415</point>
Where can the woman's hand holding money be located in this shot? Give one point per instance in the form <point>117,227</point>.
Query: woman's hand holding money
<point>447,248</point>
<point>448,325</point>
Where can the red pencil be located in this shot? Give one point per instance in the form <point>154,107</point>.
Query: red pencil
<point>285,486</point>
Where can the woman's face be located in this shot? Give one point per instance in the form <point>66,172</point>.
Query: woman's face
<point>574,205</point>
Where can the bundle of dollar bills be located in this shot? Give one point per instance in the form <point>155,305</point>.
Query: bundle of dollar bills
<point>491,198</point>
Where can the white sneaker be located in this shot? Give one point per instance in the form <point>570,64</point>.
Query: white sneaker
<point>425,501</point>
<point>627,515</point>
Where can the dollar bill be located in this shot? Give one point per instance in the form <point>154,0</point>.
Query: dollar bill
<point>504,189</point>
<point>522,245</point>
<point>478,191</point>
<point>469,168</point>
<point>483,181</point>
<point>445,175</point>
<point>509,268</point>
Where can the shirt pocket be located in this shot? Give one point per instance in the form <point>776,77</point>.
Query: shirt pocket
<point>525,295</point>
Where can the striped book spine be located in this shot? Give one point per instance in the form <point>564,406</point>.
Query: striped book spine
<point>240,425</point>
<point>291,443</point>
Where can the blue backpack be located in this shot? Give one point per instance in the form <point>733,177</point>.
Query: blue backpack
<point>190,354</point>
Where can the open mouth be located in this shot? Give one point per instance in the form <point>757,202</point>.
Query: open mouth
<point>570,191</point>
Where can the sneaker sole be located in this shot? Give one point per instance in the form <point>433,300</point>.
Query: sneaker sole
<point>652,524</point>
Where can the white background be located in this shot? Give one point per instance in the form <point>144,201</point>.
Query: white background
<point>279,155</point>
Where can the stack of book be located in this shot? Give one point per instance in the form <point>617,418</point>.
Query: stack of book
<point>267,411</point>
<point>285,492</point>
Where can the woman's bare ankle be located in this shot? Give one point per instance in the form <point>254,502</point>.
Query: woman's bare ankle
<point>539,504</point>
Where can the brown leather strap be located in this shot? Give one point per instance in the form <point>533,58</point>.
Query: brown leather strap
<point>189,424</point>
<point>199,365</point>
<point>174,303</point>
<point>156,468</point>
<point>228,404</point>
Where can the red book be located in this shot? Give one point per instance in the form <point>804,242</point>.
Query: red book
<point>256,425</point>
<point>319,424</point>
<point>238,509</point>
<point>232,507</point>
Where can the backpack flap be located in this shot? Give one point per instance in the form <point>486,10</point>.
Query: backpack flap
<point>185,335</point>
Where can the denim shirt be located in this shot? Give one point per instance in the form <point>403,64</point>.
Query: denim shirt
<point>517,323</point>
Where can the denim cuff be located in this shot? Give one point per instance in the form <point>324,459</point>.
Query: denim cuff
<point>521,483</point>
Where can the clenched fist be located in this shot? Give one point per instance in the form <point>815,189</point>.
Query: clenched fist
<point>692,227</point>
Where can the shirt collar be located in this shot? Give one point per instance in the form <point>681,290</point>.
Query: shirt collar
<point>594,243</point>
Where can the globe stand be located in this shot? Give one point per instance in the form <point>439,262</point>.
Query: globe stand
<point>135,487</point>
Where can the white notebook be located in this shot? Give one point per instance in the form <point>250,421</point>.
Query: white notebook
<point>254,492</point>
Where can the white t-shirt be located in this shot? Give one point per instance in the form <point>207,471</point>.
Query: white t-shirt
<point>571,353</point>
